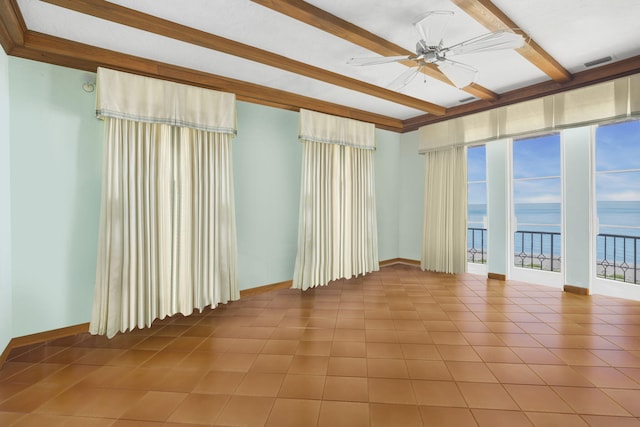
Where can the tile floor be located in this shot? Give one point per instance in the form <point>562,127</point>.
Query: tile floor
<point>399,347</point>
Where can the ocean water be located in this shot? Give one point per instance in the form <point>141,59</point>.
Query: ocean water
<point>615,218</point>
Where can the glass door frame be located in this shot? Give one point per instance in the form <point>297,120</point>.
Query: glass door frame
<point>540,277</point>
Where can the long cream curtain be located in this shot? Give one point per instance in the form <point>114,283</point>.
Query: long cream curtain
<point>444,244</point>
<point>167,239</point>
<point>337,235</point>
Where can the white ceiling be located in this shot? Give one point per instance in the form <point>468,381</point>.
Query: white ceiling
<point>572,31</point>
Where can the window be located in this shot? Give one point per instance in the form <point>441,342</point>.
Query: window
<point>537,203</point>
<point>617,164</point>
<point>476,205</point>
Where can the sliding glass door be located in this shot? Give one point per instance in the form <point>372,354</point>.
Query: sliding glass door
<point>536,210</point>
<point>617,195</point>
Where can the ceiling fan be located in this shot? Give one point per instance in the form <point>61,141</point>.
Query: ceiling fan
<point>431,49</point>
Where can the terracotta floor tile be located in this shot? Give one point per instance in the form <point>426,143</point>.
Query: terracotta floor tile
<point>605,421</point>
<point>110,403</point>
<point>260,384</point>
<point>154,406</point>
<point>349,349</point>
<point>347,389</point>
<point>387,368</point>
<point>560,375</point>
<point>271,363</point>
<point>384,350</point>
<point>273,346</point>
<point>434,416</point>
<point>133,358</point>
<point>314,348</point>
<point>246,345</point>
<point>470,371</point>
<point>579,357</point>
<point>349,335</point>
<point>312,365</point>
<point>604,376</point>
<point>381,335</point>
<point>591,401</point>
<point>428,370</point>
<point>497,418</point>
<point>343,414</point>
<point>538,398</point>
<point>541,356</point>
<point>499,354</point>
<point>487,396</point>
<point>235,413</point>
<point>448,337</point>
<point>628,399</point>
<point>437,393</point>
<point>396,347</point>
<point>219,382</point>
<point>294,413</point>
<point>199,409</point>
<point>482,339</point>
<point>544,419</point>
<point>385,390</point>
<point>619,358</point>
<point>239,362</point>
<point>296,386</point>
<point>30,398</point>
<point>420,351</point>
<point>37,420</point>
<point>460,353</point>
<point>509,373</point>
<point>394,415</point>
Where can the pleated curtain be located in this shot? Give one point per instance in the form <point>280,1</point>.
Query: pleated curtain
<point>337,235</point>
<point>167,238</point>
<point>444,244</point>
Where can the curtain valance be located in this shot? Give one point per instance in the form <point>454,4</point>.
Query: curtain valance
<point>144,99</point>
<point>611,100</point>
<point>319,127</point>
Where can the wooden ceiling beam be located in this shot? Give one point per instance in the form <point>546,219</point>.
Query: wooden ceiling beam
<point>487,14</point>
<point>142,21</point>
<point>312,15</point>
<point>66,53</point>
<point>596,75</point>
<point>12,25</point>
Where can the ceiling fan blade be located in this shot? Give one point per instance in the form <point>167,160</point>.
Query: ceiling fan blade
<point>405,78</point>
<point>461,75</point>
<point>433,26</point>
<point>377,60</point>
<point>486,42</point>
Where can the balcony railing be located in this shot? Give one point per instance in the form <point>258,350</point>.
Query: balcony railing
<point>538,250</point>
<point>618,257</point>
<point>477,245</point>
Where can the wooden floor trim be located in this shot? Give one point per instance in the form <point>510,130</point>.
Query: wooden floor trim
<point>41,337</point>
<point>497,276</point>
<point>394,261</point>
<point>578,290</point>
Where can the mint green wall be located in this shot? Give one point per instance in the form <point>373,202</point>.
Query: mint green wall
<point>54,191</point>
<point>497,212</point>
<point>411,190</point>
<point>266,167</point>
<point>267,161</point>
<point>387,169</point>
<point>577,190</point>
<point>6,332</point>
<point>55,196</point>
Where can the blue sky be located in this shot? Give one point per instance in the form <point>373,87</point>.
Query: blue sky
<point>536,158</point>
<point>618,148</point>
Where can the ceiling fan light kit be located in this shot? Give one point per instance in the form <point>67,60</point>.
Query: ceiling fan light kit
<point>431,49</point>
